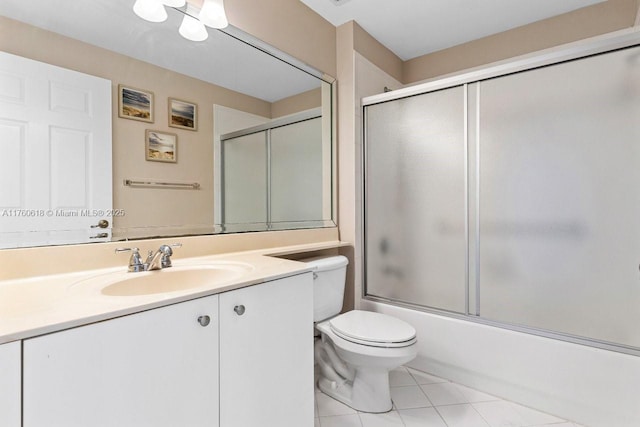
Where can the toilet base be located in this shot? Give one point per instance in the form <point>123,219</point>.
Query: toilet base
<point>369,391</point>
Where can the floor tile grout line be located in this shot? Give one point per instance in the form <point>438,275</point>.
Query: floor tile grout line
<point>441,417</point>
<point>426,395</point>
<point>481,416</point>
<point>421,391</point>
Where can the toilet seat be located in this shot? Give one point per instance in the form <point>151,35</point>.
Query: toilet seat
<point>373,329</point>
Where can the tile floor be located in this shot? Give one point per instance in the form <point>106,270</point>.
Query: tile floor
<point>423,400</point>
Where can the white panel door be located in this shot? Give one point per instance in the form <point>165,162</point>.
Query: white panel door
<point>55,168</point>
<point>10,384</point>
<point>158,368</point>
<point>266,354</point>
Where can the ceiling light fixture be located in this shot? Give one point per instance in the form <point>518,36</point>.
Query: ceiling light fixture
<point>191,28</point>
<point>150,10</point>
<point>211,14</point>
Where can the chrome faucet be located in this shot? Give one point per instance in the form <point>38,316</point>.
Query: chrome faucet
<point>162,258</point>
<point>155,261</point>
<point>135,261</point>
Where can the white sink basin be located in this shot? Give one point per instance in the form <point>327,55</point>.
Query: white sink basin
<point>171,279</point>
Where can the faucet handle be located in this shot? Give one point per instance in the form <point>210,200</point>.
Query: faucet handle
<point>135,262</point>
<point>167,252</point>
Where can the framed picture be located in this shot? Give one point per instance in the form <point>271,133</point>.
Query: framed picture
<point>183,114</point>
<point>161,146</point>
<point>135,104</point>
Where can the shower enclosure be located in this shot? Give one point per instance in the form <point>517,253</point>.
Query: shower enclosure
<point>511,196</point>
<point>276,175</point>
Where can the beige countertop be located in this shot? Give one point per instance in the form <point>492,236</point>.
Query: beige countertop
<point>43,304</point>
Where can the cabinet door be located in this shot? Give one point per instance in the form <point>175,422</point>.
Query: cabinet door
<point>10,384</point>
<point>156,368</point>
<point>266,354</point>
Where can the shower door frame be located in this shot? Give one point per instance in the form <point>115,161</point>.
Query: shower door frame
<point>618,40</point>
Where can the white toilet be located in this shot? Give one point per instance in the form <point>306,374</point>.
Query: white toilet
<point>357,349</point>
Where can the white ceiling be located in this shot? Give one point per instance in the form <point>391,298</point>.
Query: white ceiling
<point>412,28</point>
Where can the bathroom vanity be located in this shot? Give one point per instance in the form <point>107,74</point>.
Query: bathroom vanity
<point>233,352</point>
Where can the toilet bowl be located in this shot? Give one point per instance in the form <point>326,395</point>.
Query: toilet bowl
<point>357,349</point>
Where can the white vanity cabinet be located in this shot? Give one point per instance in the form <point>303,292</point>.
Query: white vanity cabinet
<point>10,384</point>
<point>266,354</point>
<point>248,364</point>
<point>155,368</point>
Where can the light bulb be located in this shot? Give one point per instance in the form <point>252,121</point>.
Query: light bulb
<point>150,10</point>
<point>192,29</point>
<point>174,3</point>
<point>213,15</point>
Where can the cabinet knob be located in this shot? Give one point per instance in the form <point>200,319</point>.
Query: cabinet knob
<point>239,309</point>
<point>204,320</point>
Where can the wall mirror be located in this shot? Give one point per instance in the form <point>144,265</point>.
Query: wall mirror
<point>254,152</point>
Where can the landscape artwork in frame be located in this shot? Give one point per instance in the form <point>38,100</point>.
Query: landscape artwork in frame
<point>161,146</point>
<point>183,114</point>
<point>136,104</point>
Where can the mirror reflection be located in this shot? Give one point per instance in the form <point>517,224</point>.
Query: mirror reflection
<point>118,94</point>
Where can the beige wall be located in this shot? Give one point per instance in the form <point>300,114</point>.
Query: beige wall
<point>347,163</point>
<point>296,103</point>
<point>377,53</point>
<point>579,24</point>
<point>290,26</point>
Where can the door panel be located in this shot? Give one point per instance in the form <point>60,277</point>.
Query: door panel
<point>560,197</point>
<point>266,354</point>
<point>415,200</point>
<point>152,369</point>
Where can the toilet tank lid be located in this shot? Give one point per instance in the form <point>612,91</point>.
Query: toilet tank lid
<point>326,263</point>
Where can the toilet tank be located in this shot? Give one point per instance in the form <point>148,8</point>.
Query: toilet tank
<point>328,285</point>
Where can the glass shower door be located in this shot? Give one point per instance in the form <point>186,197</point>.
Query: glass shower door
<point>297,173</point>
<point>244,187</point>
<point>415,220</point>
<point>560,198</point>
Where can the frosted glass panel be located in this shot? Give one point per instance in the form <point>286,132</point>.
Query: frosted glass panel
<point>560,198</point>
<point>245,180</point>
<point>296,172</point>
<point>415,200</point>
